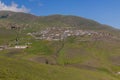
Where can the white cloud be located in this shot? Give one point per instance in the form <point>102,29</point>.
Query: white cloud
<point>13,7</point>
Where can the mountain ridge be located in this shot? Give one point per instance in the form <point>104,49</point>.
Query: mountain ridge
<point>74,21</point>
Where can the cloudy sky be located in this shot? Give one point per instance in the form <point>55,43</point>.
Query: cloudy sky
<point>103,11</point>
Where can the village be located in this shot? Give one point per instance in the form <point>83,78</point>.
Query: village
<point>58,33</point>
<point>55,33</point>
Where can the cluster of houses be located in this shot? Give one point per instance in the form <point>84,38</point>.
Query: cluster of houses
<point>57,33</point>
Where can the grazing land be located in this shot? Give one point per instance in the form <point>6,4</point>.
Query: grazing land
<point>57,47</point>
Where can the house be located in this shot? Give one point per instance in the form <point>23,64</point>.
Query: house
<point>21,46</point>
<point>118,72</point>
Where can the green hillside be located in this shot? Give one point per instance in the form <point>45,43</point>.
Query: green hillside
<point>86,57</point>
<point>11,69</point>
<point>50,21</point>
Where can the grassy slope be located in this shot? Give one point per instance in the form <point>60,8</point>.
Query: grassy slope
<point>6,36</point>
<point>97,54</point>
<point>94,59</point>
<point>76,61</point>
<point>36,22</point>
<point>12,69</point>
<point>98,60</point>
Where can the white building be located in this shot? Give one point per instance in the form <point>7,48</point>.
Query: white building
<point>21,47</point>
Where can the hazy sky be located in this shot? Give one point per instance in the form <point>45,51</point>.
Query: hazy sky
<point>103,11</point>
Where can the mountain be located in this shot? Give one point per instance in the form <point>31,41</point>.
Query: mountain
<point>8,18</point>
<point>94,55</point>
<point>52,20</point>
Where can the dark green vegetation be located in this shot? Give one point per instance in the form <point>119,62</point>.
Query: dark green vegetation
<point>76,58</point>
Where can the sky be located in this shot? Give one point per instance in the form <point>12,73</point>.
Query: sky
<point>103,11</point>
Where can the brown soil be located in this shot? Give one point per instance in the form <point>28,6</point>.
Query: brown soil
<point>44,60</point>
<point>115,60</point>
